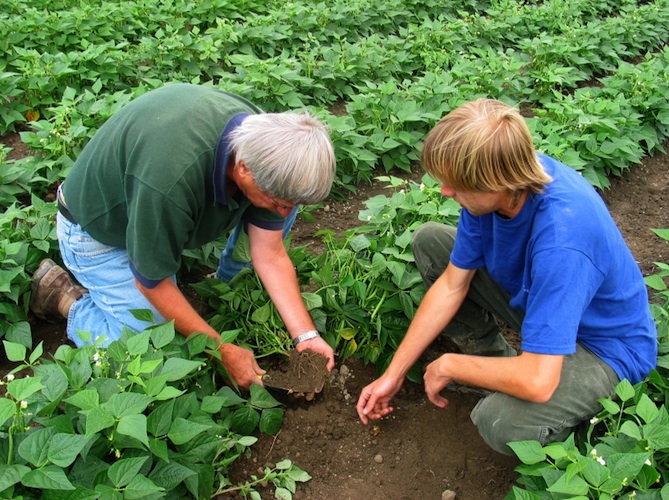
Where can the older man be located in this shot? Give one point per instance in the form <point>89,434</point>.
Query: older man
<point>174,169</point>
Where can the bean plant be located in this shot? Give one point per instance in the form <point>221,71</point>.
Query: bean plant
<point>147,417</point>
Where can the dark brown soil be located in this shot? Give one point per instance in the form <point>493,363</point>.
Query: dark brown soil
<point>298,375</point>
<point>420,451</point>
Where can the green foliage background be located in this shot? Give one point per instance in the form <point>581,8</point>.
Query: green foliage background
<point>591,77</point>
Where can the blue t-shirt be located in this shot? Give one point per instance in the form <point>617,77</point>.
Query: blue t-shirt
<point>565,264</point>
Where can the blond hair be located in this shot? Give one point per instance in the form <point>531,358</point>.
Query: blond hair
<point>484,146</point>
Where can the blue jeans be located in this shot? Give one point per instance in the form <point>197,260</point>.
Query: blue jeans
<point>105,272</point>
<point>112,293</point>
<point>228,267</point>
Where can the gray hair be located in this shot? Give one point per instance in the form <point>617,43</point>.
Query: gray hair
<point>290,155</point>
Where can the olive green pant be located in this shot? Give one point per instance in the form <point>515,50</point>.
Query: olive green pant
<point>500,418</point>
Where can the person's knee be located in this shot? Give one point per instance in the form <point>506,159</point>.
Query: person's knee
<point>432,244</point>
<point>432,233</point>
<point>499,423</point>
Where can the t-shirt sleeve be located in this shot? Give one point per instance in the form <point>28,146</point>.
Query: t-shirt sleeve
<point>468,249</point>
<point>263,218</point>
<point>563,284</point>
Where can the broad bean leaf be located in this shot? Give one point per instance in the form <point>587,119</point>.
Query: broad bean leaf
<point>183,430</point>
<point>123,471</point>
<point>50,477</point>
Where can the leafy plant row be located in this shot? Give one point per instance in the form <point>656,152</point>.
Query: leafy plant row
<point>144,418</point>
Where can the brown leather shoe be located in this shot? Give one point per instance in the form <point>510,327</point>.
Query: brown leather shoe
<point>53,292</point>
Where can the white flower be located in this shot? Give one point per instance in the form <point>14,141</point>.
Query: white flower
<point>96,357</point>
<point>593,452</point>
<point>601,460</point>
<point>594,420</point>
<point>10,377</point>
<point>422,186</point>
<point>24,405</point>
<point>647,462</point>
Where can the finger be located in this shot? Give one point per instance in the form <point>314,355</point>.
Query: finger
<point>331,362</point>
<point>438,400</point>
<point>360,407</point>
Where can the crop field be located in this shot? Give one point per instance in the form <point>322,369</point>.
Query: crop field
<point>150,416</point>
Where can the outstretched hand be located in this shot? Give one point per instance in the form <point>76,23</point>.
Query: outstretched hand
<point>241,365</point>
<point>374,400</point>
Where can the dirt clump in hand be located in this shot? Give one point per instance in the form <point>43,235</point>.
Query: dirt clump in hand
<point>301,374</point>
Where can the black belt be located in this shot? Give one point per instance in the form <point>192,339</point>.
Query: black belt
<point>63,209</point>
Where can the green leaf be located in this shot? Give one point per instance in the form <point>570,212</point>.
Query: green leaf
<point>7,410</point>
<point>154,385</point>
<point>64,448</point>
<point>197,343</point>
<point>626,464</point>
<point>230,398</point>
<point>143,315</point>
<point>297,474</point>
<point>138,344</point>
<point>282,494</point>
<point>160,419</point>
<point>262,314</point>
<point>127,403</point>
<point>134,426</point>
<point>529,452</point>
<point>610,406</point>
<point>86,399</point>
<point>141,487</point>
<point>624,390</point>
<point>37,353</point>
<point>312,300</point>
<point>629,428</point>
<point>170,475</point>
<point>50,477</point>
<point>98,419</point>
<point>159,448</point>
<point>15,352</point>
<point>261,398</point>
<point>646,409</point>
<point>22,388</point>
<point>123,471</point>
<point>183,430</point>
<point>271,420</point>
<point>244,421</point>
<point>162,335</point>
<point>150,365</point>
<point>573,486</point>
<point>212,404</point>
<point>34,448</point>
<point>11,474</point>
<point>177,368</point>
<point>169,392</point>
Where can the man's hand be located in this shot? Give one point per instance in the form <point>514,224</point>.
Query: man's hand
<point>321,347</point>
<point>374,400</point>
<point>241,365</point>
<point>435,381</point>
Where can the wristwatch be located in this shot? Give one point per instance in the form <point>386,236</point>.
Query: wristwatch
<point>311,334</point>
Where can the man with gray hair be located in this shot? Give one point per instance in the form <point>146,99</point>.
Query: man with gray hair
<point>175,169</point>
